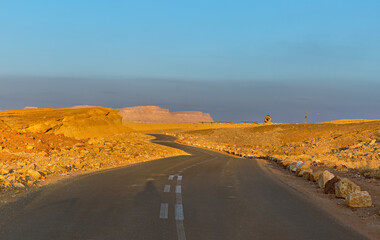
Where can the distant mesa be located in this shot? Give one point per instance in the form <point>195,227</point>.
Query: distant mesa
<point>157,115</point>
<point>29,107</point>
<point>83,106</point>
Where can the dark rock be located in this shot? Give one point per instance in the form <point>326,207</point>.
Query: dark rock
<point>330,185</point>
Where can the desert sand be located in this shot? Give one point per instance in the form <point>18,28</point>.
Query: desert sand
<point>37,145</point>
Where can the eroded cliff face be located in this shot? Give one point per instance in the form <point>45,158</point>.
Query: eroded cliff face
<point>154,114</point>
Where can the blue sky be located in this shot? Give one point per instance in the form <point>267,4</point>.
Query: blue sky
<point>228,58</point>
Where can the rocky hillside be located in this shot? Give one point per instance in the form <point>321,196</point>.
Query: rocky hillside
<point>157,115</point>
<point>43,144</point>
<point>340,146</point>
<point>27,159</point>
<point>77,123</point>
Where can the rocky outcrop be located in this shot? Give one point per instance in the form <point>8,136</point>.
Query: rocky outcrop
<point>83,106</point>
<point>154,114</point>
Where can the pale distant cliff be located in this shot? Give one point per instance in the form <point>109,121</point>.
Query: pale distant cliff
<point>154,114</point>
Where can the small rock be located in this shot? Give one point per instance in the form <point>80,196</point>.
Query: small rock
<point>299,164</point>
<point>314,175</point>
<point>344,187</point>
<point>35,174</point>
<point>342,168</point>
<point>323,178</point>
<point>29,147</point>
<point>78,165</point>
<point>300,173</point>
<point>330,185</point>
<point>18,185</point>
<point>292,167</point>
<point>359,199</point>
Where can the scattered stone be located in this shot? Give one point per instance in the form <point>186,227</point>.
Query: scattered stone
<point>342,168</point>
<point>292,167</point>
<point>306,174</point>
<point>359,199</point>
<point>303,166</point>
<point>330,185</point>
<point>323,178</point>
<point>35,174</point>
<point>30,147</point>
<point>314,175</point>
<point>344,187</point>
<point>18,185</point>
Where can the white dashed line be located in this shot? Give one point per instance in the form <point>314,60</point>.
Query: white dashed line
<point>180,230</point>
<point>179,212</point>
<point>167,188</point>
<point>171,177</point>
<point>164,211</point>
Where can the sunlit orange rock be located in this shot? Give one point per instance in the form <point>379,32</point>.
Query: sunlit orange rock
<point>157,115</point>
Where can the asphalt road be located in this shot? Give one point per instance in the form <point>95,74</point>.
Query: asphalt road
<point>205,195</point>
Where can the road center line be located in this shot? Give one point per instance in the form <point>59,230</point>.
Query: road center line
<point>179,212</point>
<point>180,230</point>
<point>179,217</point>
<point>178,189</point>
<point>164,211</point>
<point>167,188</point>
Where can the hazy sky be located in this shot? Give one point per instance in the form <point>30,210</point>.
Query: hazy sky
<point>238,60</point>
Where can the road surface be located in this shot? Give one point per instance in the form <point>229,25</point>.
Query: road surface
<point>205,195</point>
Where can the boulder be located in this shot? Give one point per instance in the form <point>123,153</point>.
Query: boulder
<point>344,187</point>
<point>292,167</point>
<point>314,175</point>
<point>359,199</point>
<point>341,168</point>
<point>330,185</point>
<point>285,163</point>
<point>306,174</point>
<point>303,166</point>
<point>35,174</point>
<point>323,178</point>
<point>18,185</point>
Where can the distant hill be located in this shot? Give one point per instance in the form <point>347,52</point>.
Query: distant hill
<point>157,115</point>
<point>77,122</point>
